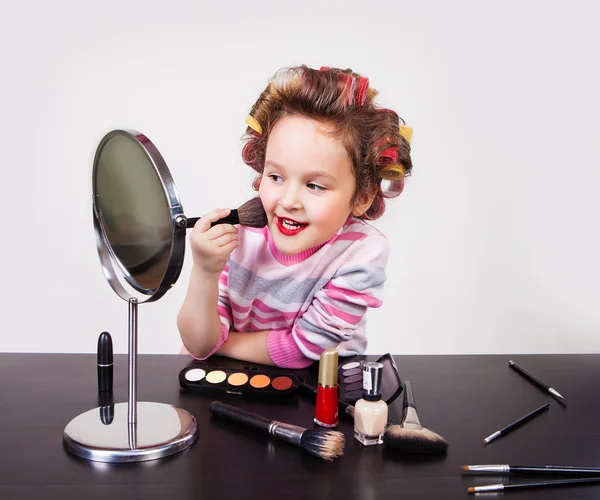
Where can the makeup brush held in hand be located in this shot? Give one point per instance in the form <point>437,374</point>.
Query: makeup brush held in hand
<point>410,436</point>
<point>323,443</point>
<point>250,214</point>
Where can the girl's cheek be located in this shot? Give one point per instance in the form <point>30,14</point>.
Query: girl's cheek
<point>265,199</point>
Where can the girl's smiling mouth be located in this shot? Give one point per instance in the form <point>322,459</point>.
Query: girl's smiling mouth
<point>289,227</point>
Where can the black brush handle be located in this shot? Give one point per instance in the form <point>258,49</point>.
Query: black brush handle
<point>232,218</point>
<point>409,398</point>
<point>240,416</point>
<point>547,484</point>
<point>525,418</point>
<point>554,469</point>
<point>528,375</point>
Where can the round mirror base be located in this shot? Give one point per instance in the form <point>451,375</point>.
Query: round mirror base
<point>103,434</point>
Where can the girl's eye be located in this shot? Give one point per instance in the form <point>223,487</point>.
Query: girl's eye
<point>275,177</point>
<point>315,187</point>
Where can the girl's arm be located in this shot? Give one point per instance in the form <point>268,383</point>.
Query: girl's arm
<point>247,346</point>
<point>198,320</point>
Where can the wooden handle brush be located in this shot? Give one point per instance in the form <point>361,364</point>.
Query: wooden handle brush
<point>250,214</point>
<point>323,443</point>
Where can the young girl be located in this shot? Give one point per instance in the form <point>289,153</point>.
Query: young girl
<point>327,157</point>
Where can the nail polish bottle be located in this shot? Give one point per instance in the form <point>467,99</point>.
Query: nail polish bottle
<point>326,407</point>
<point>370,412</point>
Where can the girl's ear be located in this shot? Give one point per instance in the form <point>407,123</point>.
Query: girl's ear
<point>363,202</point>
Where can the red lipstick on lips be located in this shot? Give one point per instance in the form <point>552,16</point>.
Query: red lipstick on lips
<point>286,230</point>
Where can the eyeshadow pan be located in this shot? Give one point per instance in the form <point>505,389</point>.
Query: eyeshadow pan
<point>282,383</point>
<point>260,381</point>
<point>353,387</point>
<point>353,371</point>
<point>349,366</point>
<point>352,379</point>
<point>354,395</point>
<point>237,379</point>
<point>195,374</point>
<point>216,377</point>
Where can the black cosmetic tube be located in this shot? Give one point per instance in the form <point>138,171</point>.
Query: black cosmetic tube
<point>105,362</point>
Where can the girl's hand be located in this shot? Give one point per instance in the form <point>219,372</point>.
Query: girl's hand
<point>211,246</point>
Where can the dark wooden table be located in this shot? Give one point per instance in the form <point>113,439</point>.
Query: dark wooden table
<point>463,398</point>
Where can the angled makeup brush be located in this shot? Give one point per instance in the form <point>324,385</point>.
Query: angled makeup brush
<point>323,443</point>
<point>250,214</point>
<point>410,436</point>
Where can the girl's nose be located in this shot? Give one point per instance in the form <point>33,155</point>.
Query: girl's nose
<point>290,199</point>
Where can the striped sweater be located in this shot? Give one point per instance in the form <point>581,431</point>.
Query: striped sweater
<point>308,302</point>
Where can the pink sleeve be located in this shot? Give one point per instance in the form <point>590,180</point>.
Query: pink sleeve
<point>337,312</point>
<point>284,350</point>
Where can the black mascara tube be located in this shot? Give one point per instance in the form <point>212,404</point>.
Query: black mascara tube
<point>105,363</point>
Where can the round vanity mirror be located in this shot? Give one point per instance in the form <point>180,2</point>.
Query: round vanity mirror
<point>140,228</point>
<point>140,236</point>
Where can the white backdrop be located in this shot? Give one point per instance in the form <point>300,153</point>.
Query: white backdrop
<point>495,241</point>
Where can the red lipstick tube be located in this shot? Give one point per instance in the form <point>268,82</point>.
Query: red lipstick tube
<point>326,408</point>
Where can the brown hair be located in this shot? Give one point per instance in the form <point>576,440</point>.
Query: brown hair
<point>343,100</point>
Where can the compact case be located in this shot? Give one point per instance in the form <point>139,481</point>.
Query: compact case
<point>350,379</point>
<point>212,379</point>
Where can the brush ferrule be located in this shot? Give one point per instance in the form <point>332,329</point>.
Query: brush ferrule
<point>489,468</point>
<point>286,432</point>
<point>410,417</point>
<point>491,437</point>
<point>489,487</point>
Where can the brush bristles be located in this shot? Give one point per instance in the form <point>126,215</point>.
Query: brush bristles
<point>252,214</point>
<point>323,443</point>
<point>421,442</point>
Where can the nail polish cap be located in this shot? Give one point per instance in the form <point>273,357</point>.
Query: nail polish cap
<point>328,368</point>
<point>372,374</point>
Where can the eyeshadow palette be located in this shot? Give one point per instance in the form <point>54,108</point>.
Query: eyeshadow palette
<point>350,380</point>
<point>214,379</point>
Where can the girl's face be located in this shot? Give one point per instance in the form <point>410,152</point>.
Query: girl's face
<point>307,184</point>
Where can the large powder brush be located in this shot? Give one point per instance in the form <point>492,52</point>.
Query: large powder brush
<point>323,443</point>
<point>410,436</point>
<point>250,214</point>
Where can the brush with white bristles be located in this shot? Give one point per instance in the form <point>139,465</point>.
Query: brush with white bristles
<point>323,443</point>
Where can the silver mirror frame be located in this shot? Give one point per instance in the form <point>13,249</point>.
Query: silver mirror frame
<point>113,271</point>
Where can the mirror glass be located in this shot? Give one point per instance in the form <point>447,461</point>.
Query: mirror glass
<point>134,211</point>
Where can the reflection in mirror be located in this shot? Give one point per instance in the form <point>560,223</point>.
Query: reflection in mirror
<point>134,210</point>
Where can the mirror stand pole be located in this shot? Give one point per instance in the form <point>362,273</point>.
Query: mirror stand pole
<point>132,371</point>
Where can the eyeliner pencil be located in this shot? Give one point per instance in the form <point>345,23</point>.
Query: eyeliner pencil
<point>516,423</point>
<point>537,484</point>
<point>532,469</point>
<point>532,378</point>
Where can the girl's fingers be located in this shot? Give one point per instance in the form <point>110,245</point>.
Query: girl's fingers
<point>206,220</point>
<point>230,246</point>
<point>225,239</point>
<point>220,230</point>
